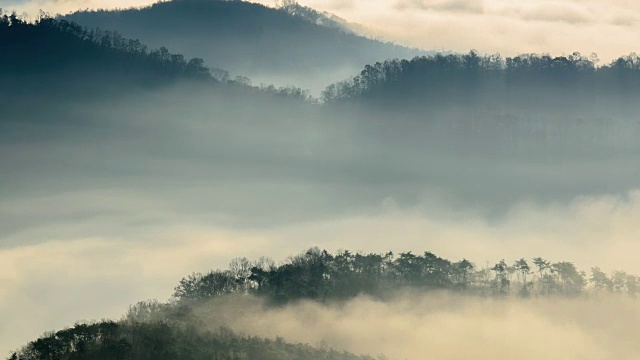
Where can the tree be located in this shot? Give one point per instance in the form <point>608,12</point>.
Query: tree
<point>600,280</point>
<point>523,270</point>
<point>461,270</point>
<point>572,281</point>
<point>501,282</point>
<point>544,267</point>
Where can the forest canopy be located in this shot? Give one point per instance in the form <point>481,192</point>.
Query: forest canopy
<point>468,79</point>
<point>319,275</point>
<point>52,57</point>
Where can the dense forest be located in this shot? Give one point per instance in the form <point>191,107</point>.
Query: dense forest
<point>49,45</point>
<point>522,82</point>
<point>322,276</point>
<point>53,59</point>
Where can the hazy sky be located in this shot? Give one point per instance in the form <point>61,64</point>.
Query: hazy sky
<point>609,28</point>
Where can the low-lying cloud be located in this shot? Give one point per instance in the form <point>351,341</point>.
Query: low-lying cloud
<point>71,277</point>
<point>413,325</point>
<point>449,326</point>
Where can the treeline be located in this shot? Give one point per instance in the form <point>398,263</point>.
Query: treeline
<point>164,340</point>
<point>292,42</point>
<point>321,276</point>
<point>466,79</point>
<point>152,330</point>
<point>48,44</point>
<point>51,57</point>
<point>313,16</point>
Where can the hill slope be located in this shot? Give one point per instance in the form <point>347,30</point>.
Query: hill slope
<point>531,82</point>
<point>164,340</point>
<point>52,57</point>
<point>267,44</point>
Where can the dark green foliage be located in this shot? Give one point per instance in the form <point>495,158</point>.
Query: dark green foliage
<point>321,276</point>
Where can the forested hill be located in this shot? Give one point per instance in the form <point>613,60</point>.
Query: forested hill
<point>167,339</point>
<point>322,276</point>
<point>292,43</point>
<point>58,56</point>
<point>540,83</point>
<point>186,327</point>
<point>52,59</point>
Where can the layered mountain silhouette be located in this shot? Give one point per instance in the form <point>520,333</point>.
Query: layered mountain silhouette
<point>53,60</point>
<point>289,45</point>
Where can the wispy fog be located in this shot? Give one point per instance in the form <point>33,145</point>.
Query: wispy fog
<point>418,326</point>
<point>113,201</point>
<point>94,266</point>
<point>124,169</point>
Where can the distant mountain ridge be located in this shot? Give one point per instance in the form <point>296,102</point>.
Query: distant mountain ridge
<point>54,57</point>
<point>524,82</point>
<point>292,44</point>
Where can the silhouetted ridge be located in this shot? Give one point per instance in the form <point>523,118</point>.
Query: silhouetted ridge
<point>525,81</point>
<point>182,327</point>
<point>164,340</point>
<point>295,43</point>
<point>314,16</point>
<point>51,60</point>
<point>50,46</point>
<point>319,275</point>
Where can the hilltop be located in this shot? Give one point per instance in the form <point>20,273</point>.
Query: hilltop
<point>289,45</point>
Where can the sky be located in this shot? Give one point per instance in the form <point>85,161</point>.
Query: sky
<point>608,28</point>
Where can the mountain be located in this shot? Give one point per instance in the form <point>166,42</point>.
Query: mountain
<point>53,57</point>
<point>60,63</point>
<point>292,44</point>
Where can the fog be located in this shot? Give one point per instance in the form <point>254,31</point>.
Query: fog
<point>112,201</point>
<point>126,169</point>
<point>441,325</point>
